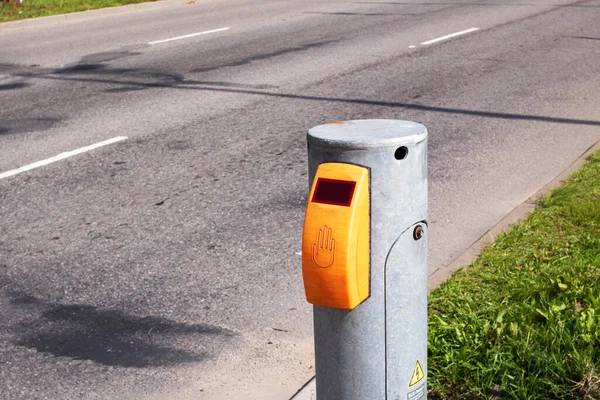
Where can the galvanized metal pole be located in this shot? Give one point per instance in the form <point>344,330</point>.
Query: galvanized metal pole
<point>378,350</point>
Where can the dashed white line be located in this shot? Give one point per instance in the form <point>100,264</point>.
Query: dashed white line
<point>450,36</point>
<point>189,36</point>
<point>59,157</point>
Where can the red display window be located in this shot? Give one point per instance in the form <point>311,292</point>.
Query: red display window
<point>333,191</point>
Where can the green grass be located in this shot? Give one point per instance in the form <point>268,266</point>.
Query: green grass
<point>523,322</point>
<point>39,8</point>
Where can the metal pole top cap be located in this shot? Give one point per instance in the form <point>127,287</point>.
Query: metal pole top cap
<point>367,133</point>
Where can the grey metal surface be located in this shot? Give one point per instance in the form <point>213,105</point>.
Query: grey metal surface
<point>406,316</point>
<point>350,346</point>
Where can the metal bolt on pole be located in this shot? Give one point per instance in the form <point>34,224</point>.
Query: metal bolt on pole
<point>364,259</point>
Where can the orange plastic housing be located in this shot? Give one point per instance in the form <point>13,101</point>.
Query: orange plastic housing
<point>335,241</point>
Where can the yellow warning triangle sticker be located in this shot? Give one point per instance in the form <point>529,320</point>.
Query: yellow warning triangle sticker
<point>417,375</point>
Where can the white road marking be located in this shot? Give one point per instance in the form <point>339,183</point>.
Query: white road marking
<point>412,46</point>
<point>189,36</point>
<point>59,157</point>
<point>432,41</point>
<point>299,253</point>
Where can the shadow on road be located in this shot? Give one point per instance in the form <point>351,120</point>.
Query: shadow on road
<point>266,56</point>
<point>584,37</point>
<point>13,86</point>
<point>21,125</point>
<point>494,4</point>
<point>94,68</point>
<point>133,79</point>
<point>104,336</point>
<point>352,14</point>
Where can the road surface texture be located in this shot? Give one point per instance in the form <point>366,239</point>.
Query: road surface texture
<point>163,264</point>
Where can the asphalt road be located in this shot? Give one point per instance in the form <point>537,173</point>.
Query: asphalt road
<point>165,266</point>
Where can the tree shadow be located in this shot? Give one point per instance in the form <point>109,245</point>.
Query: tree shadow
<point>108,337</point>
<point>583,37</point>
<point>133,79</point>
<point>6,67</point>
<point>13,86</point>
<point>405,3</point>
<point>357,14</point>
<point>22,125</point>
<point>496,4</point>
<point>266,56</point>
<point>112,55</point>
<point>187,84</point>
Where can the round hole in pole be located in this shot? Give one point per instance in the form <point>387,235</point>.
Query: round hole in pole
<point>401,153</point>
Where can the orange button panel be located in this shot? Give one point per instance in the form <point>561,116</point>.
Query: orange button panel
<point>335,241</point>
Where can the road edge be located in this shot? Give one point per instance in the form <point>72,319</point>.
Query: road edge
<point>517,214</point>
<point>466,258</point>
